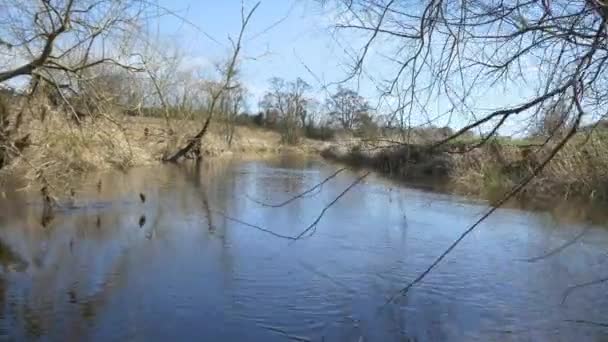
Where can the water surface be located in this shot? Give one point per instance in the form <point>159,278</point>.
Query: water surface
<point>180,266</point>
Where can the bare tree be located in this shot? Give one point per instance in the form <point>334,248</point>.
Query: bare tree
<point>47,38</point>
<point>67,47</point>
<point>298,99</point>
<point>231,105</point>
<point>288,101</point>
<point>458,49</point>
<point>162,70</point>
<point>552,120</point>
<point>226,85</point>
<point>347,107</point>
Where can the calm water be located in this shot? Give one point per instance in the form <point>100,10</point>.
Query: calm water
<point>175,268</point>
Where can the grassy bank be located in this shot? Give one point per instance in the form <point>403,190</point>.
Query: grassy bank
<point>57,151</point>
<point>579,170</point>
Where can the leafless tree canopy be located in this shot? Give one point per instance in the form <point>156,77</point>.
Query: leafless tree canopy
<point>455,50</point>
<point>289,104</point>
<point>57,39</point>
<point>347,107</point>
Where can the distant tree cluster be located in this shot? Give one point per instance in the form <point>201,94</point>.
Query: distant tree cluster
<point>288,105</point>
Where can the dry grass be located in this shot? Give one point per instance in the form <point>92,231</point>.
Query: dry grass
<point>579,170</point>
<point>63,152</point>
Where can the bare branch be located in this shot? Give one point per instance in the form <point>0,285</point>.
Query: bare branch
<point>571,289</point>
<point>226,85</point>
<point>314,224</point>
<point>300,195</point>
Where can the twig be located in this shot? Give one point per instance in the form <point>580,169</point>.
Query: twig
<point>579,286</point>
<point>581,321</point>
<point>560,248</point>
<point>515,190</point>
<point>308,228</point>
<point>265,230</point>
<point>303,194</point>
<point>313,225</point>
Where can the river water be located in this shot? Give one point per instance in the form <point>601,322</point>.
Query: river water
<point>181,266</point>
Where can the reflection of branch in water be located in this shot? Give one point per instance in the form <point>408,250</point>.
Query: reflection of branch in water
<point>252,225</point>
<point>196,179</point>
<point>311,227</point>
<point>560,248</point>
<point>285,333</point>
<point>8,257</point>
<point>579,286</point>
<point>142,220</point>
<point>326,276</point>
<point>301,195</point>
<point>581,321</point>
<point>47,216</point>
<point>207,210</point>
<point>48,202</point>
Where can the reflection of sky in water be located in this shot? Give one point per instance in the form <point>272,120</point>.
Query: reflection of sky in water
<point>94,273</point>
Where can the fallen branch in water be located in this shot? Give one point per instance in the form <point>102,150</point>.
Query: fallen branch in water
<point>301,195</point>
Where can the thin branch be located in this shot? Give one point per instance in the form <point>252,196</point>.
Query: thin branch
<point>309,228</point>
<point>298,196</point>
<point>230,73</point>
<point>571,289</point>
<point>581,321</point>
<point>241,222</point>
<point>314,224</point>
<point>514,191</point>
<point>28,68</point>
<point>560,248</point>
<point>360,61</point>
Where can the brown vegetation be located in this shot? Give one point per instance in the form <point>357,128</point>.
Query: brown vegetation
<point>578,170</point>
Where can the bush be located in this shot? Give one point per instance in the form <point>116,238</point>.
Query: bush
<point>367,128</point>
<point>323,133</point>
<point>258,120</point>
<point>246,120</point>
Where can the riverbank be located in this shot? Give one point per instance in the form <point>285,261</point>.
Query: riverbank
<point>579,170</point>
<point>59,152</point>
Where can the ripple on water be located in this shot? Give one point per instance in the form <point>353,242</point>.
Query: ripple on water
<point>186,274</point>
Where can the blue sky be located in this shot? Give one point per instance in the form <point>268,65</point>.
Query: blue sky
<point>284,35</point>
<point>294,38</point>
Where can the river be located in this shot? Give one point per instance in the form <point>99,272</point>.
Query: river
<point>183,265</point>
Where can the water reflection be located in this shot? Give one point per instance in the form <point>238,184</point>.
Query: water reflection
<point>116,267</point>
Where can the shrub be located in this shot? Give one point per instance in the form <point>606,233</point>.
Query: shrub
<point>323,133</point>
